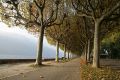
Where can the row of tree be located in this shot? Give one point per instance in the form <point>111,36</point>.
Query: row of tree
<point>77,25</point>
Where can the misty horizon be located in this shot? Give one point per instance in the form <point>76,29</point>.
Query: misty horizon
<point>19,44</point>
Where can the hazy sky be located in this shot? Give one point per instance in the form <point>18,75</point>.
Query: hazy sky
<point>18,43</point>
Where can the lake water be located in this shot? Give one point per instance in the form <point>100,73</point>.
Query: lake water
<point>21,46</point>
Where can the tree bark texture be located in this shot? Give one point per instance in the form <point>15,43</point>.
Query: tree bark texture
<point>57,52</point>
<point>96,63</point>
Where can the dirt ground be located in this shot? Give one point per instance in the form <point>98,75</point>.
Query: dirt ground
<point>112,63</point>
<point>51,71</point>
<point>7,70</point>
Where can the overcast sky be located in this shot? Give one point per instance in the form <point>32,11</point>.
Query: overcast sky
<point>18,43</point>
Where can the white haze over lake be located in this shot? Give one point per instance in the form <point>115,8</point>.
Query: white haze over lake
<point>16,43</point>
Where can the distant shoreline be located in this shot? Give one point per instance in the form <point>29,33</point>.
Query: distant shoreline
<point>6,61</point>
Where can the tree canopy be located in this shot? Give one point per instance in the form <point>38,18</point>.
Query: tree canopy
<point>80,25</point>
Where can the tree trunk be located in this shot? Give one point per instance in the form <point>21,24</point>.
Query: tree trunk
<point>40,47</point>
<point>86,54</point>
<point>96,45</point>
<point>40,41</point>
<point>64,51</point>
<point>68,55</point>
<point>57,52</point>
<point>88,51</point>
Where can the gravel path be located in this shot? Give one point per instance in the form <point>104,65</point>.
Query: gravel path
<point>54,71</point>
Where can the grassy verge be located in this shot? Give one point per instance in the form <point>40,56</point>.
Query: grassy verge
<point>89,73</point>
